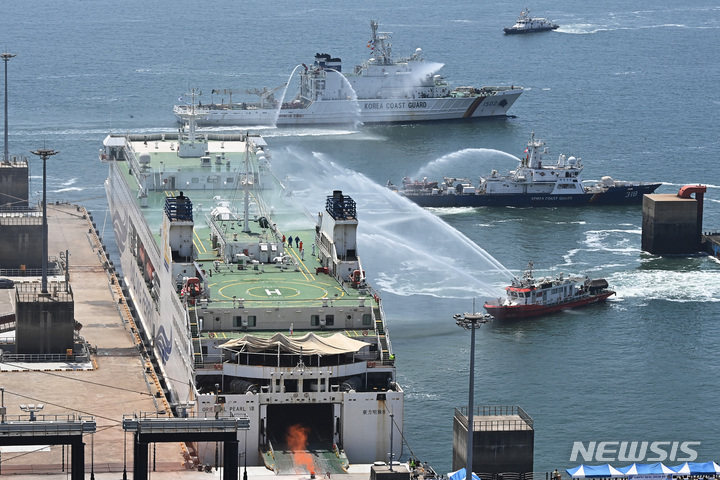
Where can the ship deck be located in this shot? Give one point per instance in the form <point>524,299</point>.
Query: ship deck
<point>299,284</point>
<point>296,284</point>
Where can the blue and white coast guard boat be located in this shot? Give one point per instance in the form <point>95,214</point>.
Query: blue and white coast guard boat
<point>534,183</point>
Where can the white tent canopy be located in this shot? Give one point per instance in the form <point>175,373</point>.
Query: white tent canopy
<point>308,344</point>
<point>595,471</point>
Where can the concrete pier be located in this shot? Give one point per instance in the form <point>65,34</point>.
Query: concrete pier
<point>116,380</point>
<point>503,440</point>
<point>672,224</point>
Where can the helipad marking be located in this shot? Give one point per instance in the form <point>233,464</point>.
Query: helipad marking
<point>279,289</point>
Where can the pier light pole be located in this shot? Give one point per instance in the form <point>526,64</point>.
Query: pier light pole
<point>44,153</point>
<point>32,409</point>
<point>245,455</point>
<point>6,57</point>
<point>471,322</point>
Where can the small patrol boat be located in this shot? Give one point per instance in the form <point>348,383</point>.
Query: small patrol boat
<point>527,24</point>
<point>531,297</point>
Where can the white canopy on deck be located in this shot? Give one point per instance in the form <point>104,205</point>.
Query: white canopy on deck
<point>308,344</point>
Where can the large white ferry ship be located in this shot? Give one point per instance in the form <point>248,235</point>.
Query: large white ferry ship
<point>380,90</point>
<point>249,303</point>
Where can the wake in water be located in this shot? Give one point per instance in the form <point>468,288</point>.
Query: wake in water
<point>668,285</point>
<point>405,249</point>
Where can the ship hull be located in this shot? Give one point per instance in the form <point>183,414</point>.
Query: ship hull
<point>374,111</point>
<point>527,311</point>
<point>167,336</point>
<point>626,195</point>
<point>515,31</point>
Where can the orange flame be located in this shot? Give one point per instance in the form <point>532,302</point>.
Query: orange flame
<point>296,438</point>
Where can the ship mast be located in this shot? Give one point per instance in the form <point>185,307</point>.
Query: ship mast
<point>192,115</point>
<point>246,186</point>
<point>380,48</point>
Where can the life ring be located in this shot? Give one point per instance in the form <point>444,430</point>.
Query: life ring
<point>364,333</point>
<point>211,335</point>
<point>218,366</point>
<point>307,394</point>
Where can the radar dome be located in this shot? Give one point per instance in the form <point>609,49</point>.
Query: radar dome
<point>572,160</point>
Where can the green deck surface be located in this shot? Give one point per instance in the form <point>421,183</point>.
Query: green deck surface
<point>275,285</point>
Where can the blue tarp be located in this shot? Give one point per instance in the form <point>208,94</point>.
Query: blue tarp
<point>461,475</point>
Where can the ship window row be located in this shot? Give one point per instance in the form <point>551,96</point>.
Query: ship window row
<point>251,321</point>
<point>213,179</point>
<point>520,294</point>
<point>315,320</point>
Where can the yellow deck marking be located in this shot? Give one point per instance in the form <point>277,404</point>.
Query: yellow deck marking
<point>199,240</point>
<point>302,263</point>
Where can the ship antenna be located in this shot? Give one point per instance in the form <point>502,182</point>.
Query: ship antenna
<point>528,273</point>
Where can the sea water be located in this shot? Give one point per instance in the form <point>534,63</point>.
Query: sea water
<point>628,87</point>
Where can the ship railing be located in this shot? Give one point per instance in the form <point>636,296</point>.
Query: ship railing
<point>381,328</point>
<point>500,88</point>
<point>147,232</point>
<point>272,361</point>
<point>321,302</point>
<point>192,317</point>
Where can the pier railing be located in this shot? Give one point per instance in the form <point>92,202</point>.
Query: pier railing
<point>493,418</point>
<point>54,268</point>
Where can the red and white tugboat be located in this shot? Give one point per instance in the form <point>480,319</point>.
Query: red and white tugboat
<point>531,297</point>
